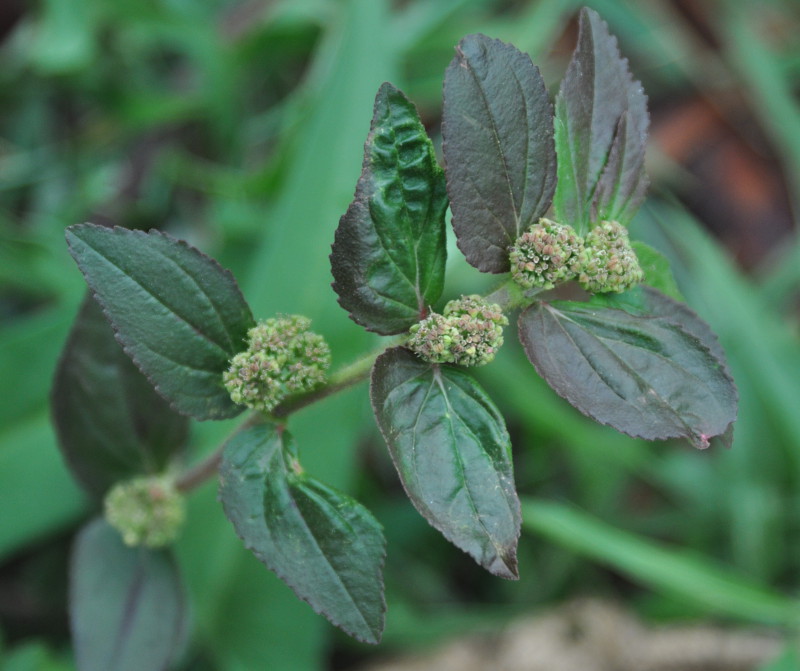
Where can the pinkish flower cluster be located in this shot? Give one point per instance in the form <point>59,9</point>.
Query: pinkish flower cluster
<point>468,333</point>
<point>610,264</point>
<point>547,254</point>
<point>283,358</point>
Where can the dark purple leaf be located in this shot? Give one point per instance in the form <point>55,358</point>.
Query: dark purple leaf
<point>499,154</point>
<point>600,132</point>
<point>326,546</point>
<point>648,376</point>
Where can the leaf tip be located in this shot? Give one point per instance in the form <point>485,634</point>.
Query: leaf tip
<point>505,564</point>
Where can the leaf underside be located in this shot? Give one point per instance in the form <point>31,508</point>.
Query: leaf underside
<point>498,148</point>
<point>388,256</point>
<point>179,315</point>
<point>600,132</point>
<point>326,546</point>
<point>127,605</point>
<point>453,454</point>
<point>651,377</point>
<point>110,423</point>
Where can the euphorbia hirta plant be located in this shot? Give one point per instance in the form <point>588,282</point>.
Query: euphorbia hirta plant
<point>540,196</point>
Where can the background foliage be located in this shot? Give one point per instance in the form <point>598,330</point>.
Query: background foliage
<point>239,125</point>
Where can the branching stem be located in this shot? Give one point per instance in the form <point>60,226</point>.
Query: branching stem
<point>342,379</point>
<point>509,296</point>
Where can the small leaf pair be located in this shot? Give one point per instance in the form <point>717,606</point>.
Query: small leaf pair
<point>653,371</point>
<point>500,148</point>
<point>446,438</point>
<point>182,318</point>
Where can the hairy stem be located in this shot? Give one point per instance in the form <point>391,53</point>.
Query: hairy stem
<point>206,469</point>
<point>340,380</point>
<point>510,296</point>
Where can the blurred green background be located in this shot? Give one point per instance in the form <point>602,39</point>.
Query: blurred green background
<point>239,125</point>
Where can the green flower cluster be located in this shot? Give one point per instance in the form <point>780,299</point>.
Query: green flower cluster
<point>610,264</point>
<point>282,358</point>
<point>549,253</point>
<point>468,333</point>
<point>147,510</point>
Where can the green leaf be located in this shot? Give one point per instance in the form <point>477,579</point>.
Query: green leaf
<point>127,605</point>
<point>646,376</point>
<point>110,422</point>
<point>689,576</point>
<point>388,256</point>
<point>657,271</point>
<point>326,546</point>
<point>64,39</point>
<point>33,655</point>
<point>498,146</point>
<point>600,132</point>
<point>30,462</point>
<point>788,660</point>
<point>451,449</point>
<point>178,314</point>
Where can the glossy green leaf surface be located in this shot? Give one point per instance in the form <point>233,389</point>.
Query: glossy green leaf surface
<point>127,605</point>
<point>646,376</point>
<point>788,660</point>
<point>326,546</point>
<point>600,132</point>
<point>179,315</point>
<point>389,253</point>
<point>451,449</point>
<point>498,147</point>
<point>110,422</point>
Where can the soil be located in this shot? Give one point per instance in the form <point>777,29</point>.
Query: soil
<point>594,635</point>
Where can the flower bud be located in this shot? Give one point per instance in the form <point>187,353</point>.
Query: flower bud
<point>468,333</point>
<point>283,358</point>
<point>547,254</point>
<point>610,264</point>
<point>147,510</point>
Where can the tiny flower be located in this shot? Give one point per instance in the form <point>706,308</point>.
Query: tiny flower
<point>547,254</point>
<point>468,333</point>
<point>610,264</point>
<point>283,358</point>
<point>431,339</point>
<point>147,510</point>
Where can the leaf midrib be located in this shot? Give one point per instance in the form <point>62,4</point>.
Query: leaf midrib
<point>155,297</point>
<point>320,551</point>
<point>498,144</point>
<point>437,378</point>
